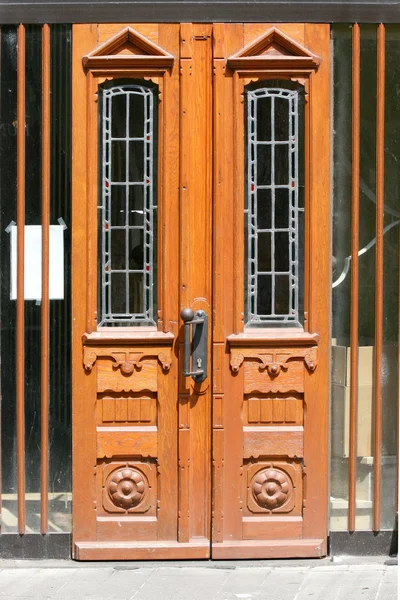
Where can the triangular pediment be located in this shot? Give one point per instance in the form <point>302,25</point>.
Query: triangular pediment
<point>274,49</point>
<point>128,48</point>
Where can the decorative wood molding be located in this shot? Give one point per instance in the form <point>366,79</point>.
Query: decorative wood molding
<point>132,337</point>
<point>273,337</point>
<point>125,359</point>
<point>128,48</point>
<point>274,50</point>
<point>274,361</point>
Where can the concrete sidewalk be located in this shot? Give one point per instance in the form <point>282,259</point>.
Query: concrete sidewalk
<point>345,579</point>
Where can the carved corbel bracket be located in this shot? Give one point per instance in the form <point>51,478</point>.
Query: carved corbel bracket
<point>311,359</point>
<point>236,360</point>
<point>126,360</point>
<point>274,361</point>
<point>165,359</point>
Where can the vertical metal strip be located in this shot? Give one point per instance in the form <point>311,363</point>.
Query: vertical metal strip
<point>355,215</point>
<point>20,327</point>
<point>45,307</point>
<point>380,139</point>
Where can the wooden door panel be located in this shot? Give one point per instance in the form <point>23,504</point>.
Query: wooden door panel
<point>129,494</point>
<point>269,432</point>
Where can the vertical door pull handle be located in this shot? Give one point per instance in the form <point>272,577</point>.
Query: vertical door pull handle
<point>195,345</point>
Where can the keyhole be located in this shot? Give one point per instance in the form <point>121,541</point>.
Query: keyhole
<point>199,363</point>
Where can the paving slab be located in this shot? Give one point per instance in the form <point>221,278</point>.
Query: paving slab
<point>244,582</point>
<point>196,580</point>
<point>47,583</point>
<point>346,585</point>
<point>283,583</point>
<point>90,584</point>
<point>189,583</point>
<point>16,581</point>
<point>389,585</point>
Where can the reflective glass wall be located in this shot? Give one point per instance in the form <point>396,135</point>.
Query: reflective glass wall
<point>367,391</point>
<point>59,457</point>
<point>59,367</point>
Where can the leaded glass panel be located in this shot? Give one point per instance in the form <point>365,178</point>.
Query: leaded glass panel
<point>273,205</point>
<point>128,205</point>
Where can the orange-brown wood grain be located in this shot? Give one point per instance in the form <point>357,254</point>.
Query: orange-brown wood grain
<point>20,320</point>
<point>228,38</point>
<point>195,249</point>
<point>83,385</point>
<point>257,360</point>
<point>317,37</point>
<point>262,411</point>
<point>119,367</point>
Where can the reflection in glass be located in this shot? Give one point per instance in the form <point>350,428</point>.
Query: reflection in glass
<point>60,310</point>
<point>8,196</point>
<point>341,353</point>
<point>60,447</point>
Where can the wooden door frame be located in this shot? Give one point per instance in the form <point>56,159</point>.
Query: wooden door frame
<point>190,204</point>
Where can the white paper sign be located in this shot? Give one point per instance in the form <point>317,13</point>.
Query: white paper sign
<point>33,262</point>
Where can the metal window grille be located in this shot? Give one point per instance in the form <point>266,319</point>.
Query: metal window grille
<point>128,170</point>
<point>272,172</point>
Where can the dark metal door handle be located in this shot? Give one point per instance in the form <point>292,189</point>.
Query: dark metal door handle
<point>197,346</point>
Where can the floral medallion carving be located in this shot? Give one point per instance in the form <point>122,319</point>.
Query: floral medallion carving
<point>127,488</point>
<point>271,488</point>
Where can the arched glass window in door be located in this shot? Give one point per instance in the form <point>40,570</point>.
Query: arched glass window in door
<point>127,221</point>
<point>274,204</point>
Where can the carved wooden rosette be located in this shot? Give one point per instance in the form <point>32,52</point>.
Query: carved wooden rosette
<point>274,488</point>
<point>128,488</point>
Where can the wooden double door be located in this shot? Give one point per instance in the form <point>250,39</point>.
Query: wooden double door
<point>200,181</point>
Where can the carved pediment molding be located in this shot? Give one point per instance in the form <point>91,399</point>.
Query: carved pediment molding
<point>274,50</point>
<point>128,48</point>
